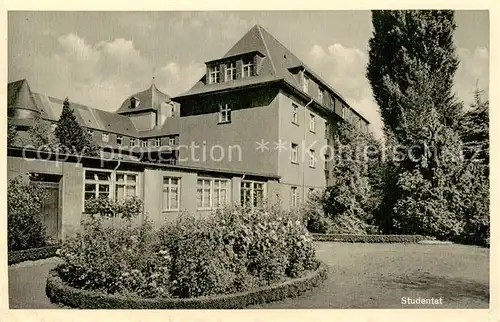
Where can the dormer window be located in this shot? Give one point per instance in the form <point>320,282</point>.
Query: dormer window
<point>230,71</point>
<point>321,95</point>
<point>305,83</point>
<point>157,142</point>
<point>214,75</point>
<point>247,68</point>
<point>133,102</point>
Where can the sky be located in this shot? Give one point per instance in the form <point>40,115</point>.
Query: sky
<point>100,58</point>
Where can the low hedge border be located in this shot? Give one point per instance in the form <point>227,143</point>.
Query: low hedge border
<point>32,254</point>
<point>59,292</point>
<point>369,238</point>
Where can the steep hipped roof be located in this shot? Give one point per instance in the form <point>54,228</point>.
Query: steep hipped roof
<point>19,95</point>
<point>147,100</point>
<point>277,65</point>
<point>96,119</point>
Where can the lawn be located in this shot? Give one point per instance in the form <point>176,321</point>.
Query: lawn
<point>360,276</point>
<point>379,275</point>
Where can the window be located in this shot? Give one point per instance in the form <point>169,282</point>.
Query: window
<point>310,192</point>
<point>171,193</point>
<point>312,123</point>
<point>221,188</point>
<point>157,142</point>
<point>230,71</point>
<point>321,94</point>
<point>294,197</point>
<point>132,142</point>
<point>171,141</point>
<point>305,83</point>
<point>326,130</point>
<point>125,185</point>
<point>97,184</point>
<point>105,137</point>
<point>247,68</point>
<point>327,158</point>
<point>252,194</point>
<point>211,193</point>
<point>119,139</point>
<point>295,113</point>
<point>224,113</point>
<point>133,102</point>
<point>144,143</point>
<point>214,75</point>
<point>295,153</point>
<point>312,159</point>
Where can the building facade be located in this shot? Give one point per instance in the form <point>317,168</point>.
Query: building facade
<point>258,125</point>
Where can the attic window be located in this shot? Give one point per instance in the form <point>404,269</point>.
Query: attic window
<point>247,68</point>
<point>214,75</point>
<point>133,102</point>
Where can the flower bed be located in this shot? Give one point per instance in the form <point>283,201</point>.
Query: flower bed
<point>32,254</point>
<point>59,292</point>
<point>369,238</point>
<point>234,250</point>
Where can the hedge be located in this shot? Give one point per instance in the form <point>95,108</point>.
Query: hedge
<point>32,254</point>
<point>59,292</point>
<point>369,238</point>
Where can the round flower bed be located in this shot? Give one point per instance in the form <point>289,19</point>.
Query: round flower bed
<point>234,251</point>
<point>59,292</point>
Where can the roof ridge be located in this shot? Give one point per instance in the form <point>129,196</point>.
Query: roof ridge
<point>267,49</point>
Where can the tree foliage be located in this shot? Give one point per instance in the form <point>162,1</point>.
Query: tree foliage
<point>432,188</point>
<point>39,136</point>
<point>25,221</point>
<point>403,42</point>
<point>72,137</point>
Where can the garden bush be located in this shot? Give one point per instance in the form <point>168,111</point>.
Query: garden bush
<point>25,221</point>
<point>124,260</point>
<point>318,221</point>
<point>232,250</point>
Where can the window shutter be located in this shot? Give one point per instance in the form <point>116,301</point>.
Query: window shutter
<point>207,76</point>
<point>239,66</point>
<point>255,69</point>
<point>222,68</point>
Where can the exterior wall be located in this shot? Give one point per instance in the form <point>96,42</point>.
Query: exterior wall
<point>300,174</point>
<point>149,184</point>
<point>71,188</point>
<point>247,127</point>
<point>143,121</point>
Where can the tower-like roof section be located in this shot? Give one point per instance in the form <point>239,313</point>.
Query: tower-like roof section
<point>147,100</point>
<point>19,95</point>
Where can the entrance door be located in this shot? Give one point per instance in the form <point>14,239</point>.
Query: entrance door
<point>50,206</point>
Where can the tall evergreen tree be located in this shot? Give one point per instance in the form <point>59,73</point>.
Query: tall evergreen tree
<point>72,137</point>
<point>411,70</point>
<point>403,43</point>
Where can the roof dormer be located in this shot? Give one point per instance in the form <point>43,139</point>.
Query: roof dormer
<point>235,67</point>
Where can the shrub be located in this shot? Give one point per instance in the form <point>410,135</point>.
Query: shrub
<point>25,221</point>
<point>233,250</point>
<point>127,208</point>
<point>124,260</point>
<point>236,249</point>
<point>320,222</point>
